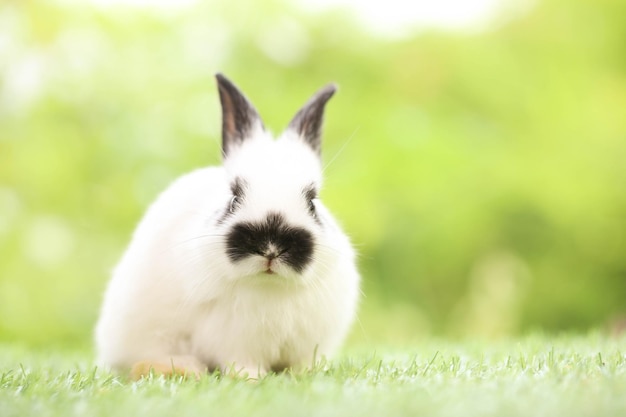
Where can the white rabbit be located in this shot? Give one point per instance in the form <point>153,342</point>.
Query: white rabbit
<point>235,267</point>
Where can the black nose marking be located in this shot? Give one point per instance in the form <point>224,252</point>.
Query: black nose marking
<point>271,255</point>
<point>272,238</point>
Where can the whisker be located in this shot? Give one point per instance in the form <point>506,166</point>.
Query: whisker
<point>341,149</point>
<point>197,237</point>
<point>363,332</point>
<point>177,245</point>
<point>327,247</point>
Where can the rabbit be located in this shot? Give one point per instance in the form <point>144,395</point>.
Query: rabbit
<point>236,267</point>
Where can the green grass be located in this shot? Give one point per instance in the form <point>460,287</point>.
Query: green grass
<point>531,376</point>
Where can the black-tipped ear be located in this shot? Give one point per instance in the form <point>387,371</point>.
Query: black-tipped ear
<point>308,121</point>
<point>239,117</point>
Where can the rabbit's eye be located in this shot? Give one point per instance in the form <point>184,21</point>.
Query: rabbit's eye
<point>234,204</point>
<point>312,206</point>
<point>310,196</point>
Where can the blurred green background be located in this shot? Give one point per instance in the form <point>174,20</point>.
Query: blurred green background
<point>481,172</point>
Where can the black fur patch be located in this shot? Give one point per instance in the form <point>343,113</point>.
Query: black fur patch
<point>310,194</point>
<point>238,186</point>
<point>293,245</point>
<point>238,189</point>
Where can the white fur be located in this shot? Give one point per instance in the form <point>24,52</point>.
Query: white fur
<point>175,293</point>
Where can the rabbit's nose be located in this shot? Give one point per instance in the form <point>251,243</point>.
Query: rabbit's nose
<point>271,252</point>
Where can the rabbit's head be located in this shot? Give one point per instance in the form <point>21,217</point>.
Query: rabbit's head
<point>272,221</point>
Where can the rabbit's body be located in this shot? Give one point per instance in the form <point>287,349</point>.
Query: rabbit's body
<point>237,266</point>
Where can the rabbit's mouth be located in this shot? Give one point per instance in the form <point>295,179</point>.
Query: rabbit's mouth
<point>269,270</point>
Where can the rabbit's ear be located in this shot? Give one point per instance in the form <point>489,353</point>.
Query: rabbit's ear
<point>239,117</point>
<point>307,123</point>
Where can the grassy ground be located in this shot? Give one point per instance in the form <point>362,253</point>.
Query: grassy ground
<point>532,376</point>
